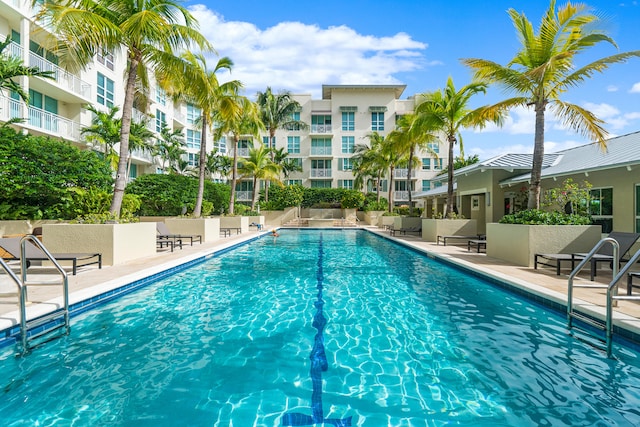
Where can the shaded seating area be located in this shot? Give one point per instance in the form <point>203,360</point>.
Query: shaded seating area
<point>604,255</point>
<point>164,234</point>
<point>11,252</point>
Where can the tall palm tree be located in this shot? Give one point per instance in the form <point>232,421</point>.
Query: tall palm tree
<point>410,138</point>
<point>140,139</point>
<point>149,31</point>
<point>218,164</point>
<point>447,112</point>
<point>368,162</point>
<point>104,131</point>
<point>543,69</point>
<point>170,146</point>
<point>12,67</point>
<point>287,165</point>
<point>216,101</point>
<point>246,123</point>
<point>391,156</point>
<point>260,167</point>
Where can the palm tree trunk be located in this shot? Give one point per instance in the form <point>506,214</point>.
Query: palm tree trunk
<point>121,178</point>
<point>255,193</point>
<point>452,142</point>
<point>197,210</point>
<point>391,169</point>
<point>409,179</point>
<point>378,186</point>
<point>234,173</point>
<point>538,157</point>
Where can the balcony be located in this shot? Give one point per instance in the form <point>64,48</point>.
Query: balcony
<point>243,152</point>
<point>321,151</point>
<point>320,173</point>
<point>321,129</point>
<point>39,119</point>
<point>66,80</point>
<point>404,173</point>
<point>245,196</point>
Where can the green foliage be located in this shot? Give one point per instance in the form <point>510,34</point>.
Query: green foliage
<point>93,207</point>
<point>540,217</point>
<point>391,214</point>
<point>371,203</point>
<point>405,211</point>
<point>326,197</point>
<point>173,195</point>
<point>40,177</point>
<point>571,198</point>
<point>352,199</point>
<point>283,197</point>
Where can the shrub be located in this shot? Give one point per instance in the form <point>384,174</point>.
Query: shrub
<point>352,199</point>
<point>283,197</point>
<point>540,217</point>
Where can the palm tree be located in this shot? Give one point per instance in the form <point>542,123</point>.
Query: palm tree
<point>140,139</point>
<point>446,111</point>
<point>218,164</point>
<point>391,156</point>
<point>259,166</point>
<point>543,69</point>
<point>287,165</point>
<point>369,162</point>
<point>170,146</point>
<point>104,131</point>
<point>411,138</point>
<point>12,67</point>
<point>217,102</point>
<point>150,32</point>
<point>246,123</point>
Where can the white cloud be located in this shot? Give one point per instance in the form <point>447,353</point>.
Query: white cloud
<point>301,58</point>
<point>635,88</point>
<point>612,88</point>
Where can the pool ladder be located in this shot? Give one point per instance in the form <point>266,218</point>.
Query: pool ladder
<point>612,294</point>
<point>42,326</point>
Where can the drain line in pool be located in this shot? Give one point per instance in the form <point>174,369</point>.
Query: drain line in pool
<point>318,365</point>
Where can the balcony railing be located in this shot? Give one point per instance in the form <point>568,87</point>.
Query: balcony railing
<point>244,195</point>
<point>320,128</point>
<point>320,173</point>
<point>320,151</point>
<point>243,152</point>
<point>40,119</point>
<point>403,173</point>
<point>65,79</point>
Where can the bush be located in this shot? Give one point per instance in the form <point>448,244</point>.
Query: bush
<point>540,217</point>
<point>327,197</point>
<point>173,195</point>
<point>283,197</point>
<point>352,199</point>
<point>40,177</point>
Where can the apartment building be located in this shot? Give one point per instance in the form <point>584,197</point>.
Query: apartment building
<point>343,118</point>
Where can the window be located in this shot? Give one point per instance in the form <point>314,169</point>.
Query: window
<point>321,168</point>
<point>296,161</point>
<point>221,145</point>
<point>434,146</point>
<point>321,146</point>
<point>293,144</point>
<point>105,91</point>
<point>321,184</point>
<point>345,164</point>
<point>437,164</point>
<point>161,120</point>
<point>295,117</point>
<point>377,121</point>
<point>265,142</point>
<point>426,164</point>
<point>243,147</point>
<point>637,208</point>
<point>601,208</point>
<point>346,183</point>
<point>348,143</point>
<point>193,139</point>
<point>426,185</point>
<point>106,58</point>
<point>161,96</point>
<point>133,171</point>
<point>42,111</point>
<point>348,120</point>
<point>293,182</point>
<point>193,114</point>
<point>194,159</point>
<point>321,124</point>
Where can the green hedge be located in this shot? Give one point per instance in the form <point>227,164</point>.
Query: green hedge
<point>540,217</point>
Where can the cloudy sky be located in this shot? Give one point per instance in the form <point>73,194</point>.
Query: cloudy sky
<point>298,46</point>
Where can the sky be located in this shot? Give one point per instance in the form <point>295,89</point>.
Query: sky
<point>298,46</point>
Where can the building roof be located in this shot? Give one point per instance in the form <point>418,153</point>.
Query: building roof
<point>435,192</point>
<point>621,151</point>
<point>327,89</point>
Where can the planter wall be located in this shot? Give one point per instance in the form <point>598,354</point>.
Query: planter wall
<point>432,228</point>
<point>208,228</point>
<point>386,221</point>
<point>401,222</point>
<point>372,217</point>
<point>518,243</point>
<point>118,243</point>
<point>241,222</point>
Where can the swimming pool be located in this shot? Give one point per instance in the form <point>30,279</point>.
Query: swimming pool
<point>323,327</point>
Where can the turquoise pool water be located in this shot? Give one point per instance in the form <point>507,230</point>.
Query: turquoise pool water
<point>331,328</point>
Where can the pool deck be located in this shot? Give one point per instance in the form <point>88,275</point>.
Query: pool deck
<point>91,281</point>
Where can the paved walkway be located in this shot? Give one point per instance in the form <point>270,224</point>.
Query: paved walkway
<point>91,281</point>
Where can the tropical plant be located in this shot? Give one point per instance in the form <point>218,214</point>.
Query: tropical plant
<point>141,140</point>
<point>391,156</point>
<point>216,101</point>
<point>170,147</point>
<point>150,32</point>
<point>368,163</point>
<point>12,67</point>
<point>447,112</point>
<point>105,132</point>
<point>287,165</point>
<point>544,69</point>
<point>259,167</point>
<point>218,164</point>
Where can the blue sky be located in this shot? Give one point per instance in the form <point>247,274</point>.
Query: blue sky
<point>299,46</point>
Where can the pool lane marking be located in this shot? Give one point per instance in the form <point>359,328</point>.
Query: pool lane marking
<point>318,363</point>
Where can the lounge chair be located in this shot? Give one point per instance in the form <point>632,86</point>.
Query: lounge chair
<point>605,254</point>
<point>11,247</point>
<point>444,239</point>
<point>416,229</point>
<point>165,234</point>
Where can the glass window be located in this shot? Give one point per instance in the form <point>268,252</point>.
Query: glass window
<point>161,96</point>
<point>296,161</point>
<point>161,120</point>
<point>194,159</point>
<point>193,114</point>
<point>601,208</point>
<point>221,145</point>
<point>105,91</point>
<point>106,58</point>
<point>293,182</point>
<point>348,143</point>
<point>193,138</point>
<point>295,116</point>
<point>434,146</point>
<point>426,185</point>
<point>348,120</point>
<point>346,183</point>
<point>345,164</point>
<point>321,184</point>
<point>321,146</point>
<point>320,123</point>
<point>293,144</point>
<point>426,164</point>
<point>377,121</point>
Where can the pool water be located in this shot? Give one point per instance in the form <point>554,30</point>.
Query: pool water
<point>321,328</point>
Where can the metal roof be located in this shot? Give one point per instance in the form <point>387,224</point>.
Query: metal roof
<point>438,191</point>
<point>397,89</point>
<point>621,151</point>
